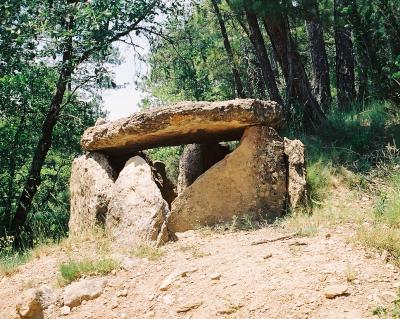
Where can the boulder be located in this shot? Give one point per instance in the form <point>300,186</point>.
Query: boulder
<point>166,186</point>
<point>85,289</point>
<point>32,302</point>
<point>182,123</point>
<point>249,181</point>
<point>297,185</point>
<point>137,211</point>
<point>196,159</point>
<point>91,181</point>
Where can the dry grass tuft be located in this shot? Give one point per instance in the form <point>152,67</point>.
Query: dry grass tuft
<point>149,252</point>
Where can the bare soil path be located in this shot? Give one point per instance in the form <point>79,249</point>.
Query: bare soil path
<point>225,276</point>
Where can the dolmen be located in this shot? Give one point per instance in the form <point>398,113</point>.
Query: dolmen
<point>116,186</point>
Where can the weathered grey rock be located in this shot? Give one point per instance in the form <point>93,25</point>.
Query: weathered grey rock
<point>196,159</point>
<point>334,291</point>
<point>249,181</point>
<point>182,123</point>
<point>166,186</point>
<point>29,304</point>
<point>297,185</point>
<point>85,289</point>
<point>137,210</point>
<point>91,182</point>
<point>32,302</point>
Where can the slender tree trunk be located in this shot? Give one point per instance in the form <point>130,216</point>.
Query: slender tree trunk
<point>260,82</point>
<point>236,75</point>
<point>262,56</point>
<point>366,55</point>
<point>345,76</point>
<point>319,58</point>
<point>298,85</point>
<point>18,223</point>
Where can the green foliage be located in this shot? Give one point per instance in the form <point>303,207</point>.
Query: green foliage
<point>384,233</point>
<point>73,269</point>
<point>26,96</point>
<point>170,157</point>
<point>9,259</point>
<point>191,63</point>
<point>319,180</point>
<point>187,61</point>
<point>391,211</point>
<point>41,44</point>
<point>358,140</point>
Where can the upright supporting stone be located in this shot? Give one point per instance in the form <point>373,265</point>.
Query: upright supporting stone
<point>137,211</point>
<point>297,185</point>
<point>196,159</point>
<point>92,179</point>
<point>249,181</point>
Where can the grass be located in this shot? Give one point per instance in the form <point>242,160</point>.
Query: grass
<point>147,251</point>
<point>392,311</point>
<point>350,160</point>
<point>237,223</point>
<point>9,264</point>
<point>194,251</point>
<point>75,269</point>
<point>383,231</point>
<point>350,273</point>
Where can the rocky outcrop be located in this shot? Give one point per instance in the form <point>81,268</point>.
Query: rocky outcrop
<point>182,123</point>
<point>85,289</point>
<point>249,181</point>
<point>92,179</point>
<point>137,211</point>
<point>296,171</point>
<point>196,159</point>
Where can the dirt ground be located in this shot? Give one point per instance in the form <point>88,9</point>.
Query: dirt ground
<point>226,276</point>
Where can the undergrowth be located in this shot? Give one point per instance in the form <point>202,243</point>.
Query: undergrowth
<point>357,157</point>
<point>391,311</point>
<point>75,269</point>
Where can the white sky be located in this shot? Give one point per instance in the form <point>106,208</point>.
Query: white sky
<point>124,101</point>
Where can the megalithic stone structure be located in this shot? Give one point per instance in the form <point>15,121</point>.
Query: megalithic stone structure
<point>115,185</point>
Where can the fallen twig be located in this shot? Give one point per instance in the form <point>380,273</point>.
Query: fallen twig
<point>298,243</point>
<point>266,241</point>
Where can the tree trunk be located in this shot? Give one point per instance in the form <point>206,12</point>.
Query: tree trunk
<point>345,77</point>
<point>370,67</point>
<point>258,76</point>
<point>319,58</point>
<point>236,75</point>
<point>289,59</point>
<point>262,56</point>
<point>18,223</point>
